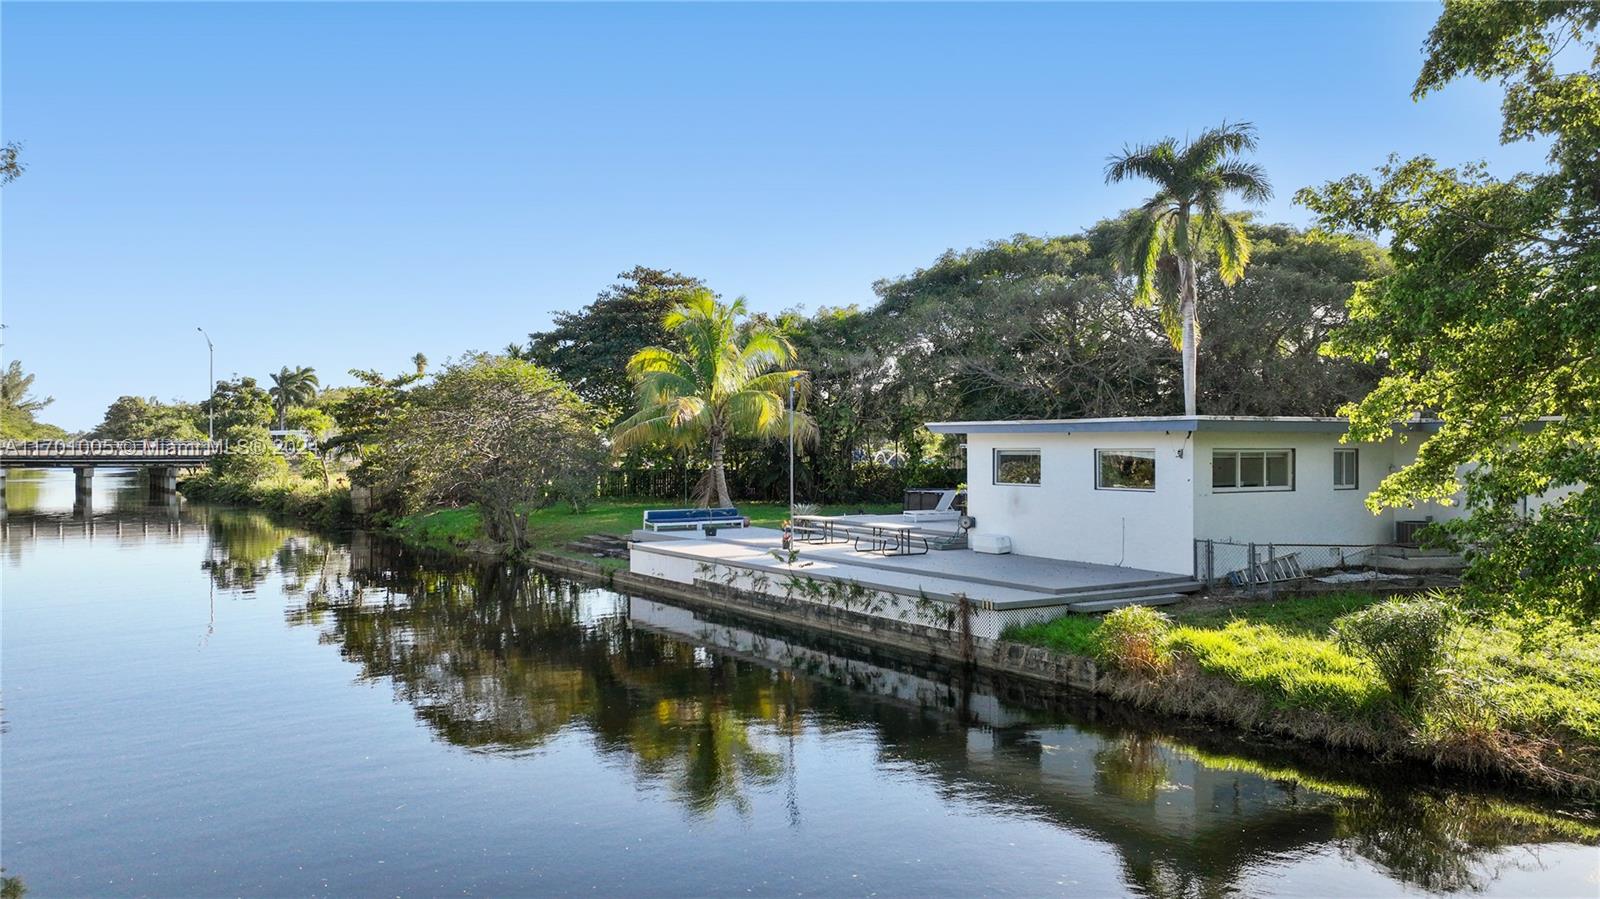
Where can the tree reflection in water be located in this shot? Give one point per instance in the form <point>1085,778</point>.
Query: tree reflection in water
<point>497,660</point>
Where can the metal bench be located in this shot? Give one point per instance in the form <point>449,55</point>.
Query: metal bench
<point>693,519</point>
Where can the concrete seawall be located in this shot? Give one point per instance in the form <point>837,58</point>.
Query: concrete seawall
<point>918,640</point>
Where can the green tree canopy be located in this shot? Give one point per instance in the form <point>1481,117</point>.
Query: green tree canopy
<point>19,408</point>
<point>1490,321</point>
<point>365,413</point>
<point>146,418</point>
<point>503,433</point>
<point>239,403</point>
<point>590,348</point>
<point>715,384</point>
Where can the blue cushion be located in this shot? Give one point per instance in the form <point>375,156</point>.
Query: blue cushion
<point>691,515</point>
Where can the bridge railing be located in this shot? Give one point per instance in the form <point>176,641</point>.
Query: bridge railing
<point>117,449</point>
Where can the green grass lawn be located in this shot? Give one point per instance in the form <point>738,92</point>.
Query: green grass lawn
<point>553,528</point>
<point>1531,678</point>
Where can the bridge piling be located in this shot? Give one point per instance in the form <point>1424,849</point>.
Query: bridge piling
<point>163,480</point>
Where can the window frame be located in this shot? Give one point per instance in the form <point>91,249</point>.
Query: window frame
<point>1355,467</point>
<point>994,466</point>
<point>1124,450</point>
<point>1238,466</point>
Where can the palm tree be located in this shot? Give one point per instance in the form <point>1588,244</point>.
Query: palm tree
<point>1185,220</point>
<point>724,382</point>
<point>292,387</point>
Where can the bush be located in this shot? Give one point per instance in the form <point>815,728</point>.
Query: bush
<point>1134,638</point>
<point>1407,639</point>
<point>249,456</point>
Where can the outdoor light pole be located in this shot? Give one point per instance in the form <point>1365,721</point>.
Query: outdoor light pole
<point>791,446</point>
<point>792,379</point>
<point>211,386</point>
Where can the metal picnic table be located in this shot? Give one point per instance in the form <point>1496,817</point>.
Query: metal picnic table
<point>883,538</point>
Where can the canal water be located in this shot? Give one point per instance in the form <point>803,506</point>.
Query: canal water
<point>205,702</point>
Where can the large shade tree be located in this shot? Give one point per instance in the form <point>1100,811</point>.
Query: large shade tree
<point>723,380</point>
<point>1184,222</point>
<point>504,434</point>
<point>590,348</point>
<point>1490,321</point>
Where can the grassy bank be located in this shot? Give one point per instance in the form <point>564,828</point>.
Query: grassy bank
<point>551,529</point>
<point>292,495</point>
<point>1521,698</point>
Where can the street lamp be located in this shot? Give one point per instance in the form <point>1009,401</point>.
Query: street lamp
<point>211,386</point>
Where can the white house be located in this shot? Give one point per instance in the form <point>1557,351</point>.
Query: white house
<point>1139,492</point>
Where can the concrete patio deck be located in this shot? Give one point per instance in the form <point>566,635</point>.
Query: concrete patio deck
<point>998,582</point>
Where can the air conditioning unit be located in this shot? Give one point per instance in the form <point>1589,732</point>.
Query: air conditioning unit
<point>993,544</point>
<point>1405,532</point>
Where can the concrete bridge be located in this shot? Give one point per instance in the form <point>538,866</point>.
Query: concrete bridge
<point>162,458</point>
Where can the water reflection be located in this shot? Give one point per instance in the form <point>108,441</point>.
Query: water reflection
<point>706,712</point>
<point>500,660</point>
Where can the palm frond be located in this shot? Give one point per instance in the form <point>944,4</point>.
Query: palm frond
<point>1246,179</point>
<point>1155,162</point>
<point>649,427</point>
<point>1215,144</point>
<point>1233,246</point>
<point>758,413</point>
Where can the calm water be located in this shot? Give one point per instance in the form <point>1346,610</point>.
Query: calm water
<point>201,702</point>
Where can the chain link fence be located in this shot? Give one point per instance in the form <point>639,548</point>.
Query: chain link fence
<point>1267,566</point>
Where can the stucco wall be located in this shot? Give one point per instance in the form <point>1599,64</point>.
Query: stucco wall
<point>1313,512</point>
<point>1065,517</point>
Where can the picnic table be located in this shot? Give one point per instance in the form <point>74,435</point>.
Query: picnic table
<point>881,537</point>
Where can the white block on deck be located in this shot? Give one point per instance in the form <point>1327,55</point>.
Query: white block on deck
<point>993,544</point>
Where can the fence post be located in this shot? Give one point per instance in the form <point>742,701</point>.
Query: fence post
<point>1250,570</point>
<point>1272,561</point>
<point>1211,561</point>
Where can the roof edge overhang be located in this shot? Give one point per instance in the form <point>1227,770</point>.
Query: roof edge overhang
<point>1257,424</point>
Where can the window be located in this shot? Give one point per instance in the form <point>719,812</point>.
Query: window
<point>1125,469</point>
<point>1250,469</point>
<point>1016,466</point>
<point>1344,469</point>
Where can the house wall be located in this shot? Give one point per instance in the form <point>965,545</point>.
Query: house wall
<point>1065,517</point>
<point>1313,512</point>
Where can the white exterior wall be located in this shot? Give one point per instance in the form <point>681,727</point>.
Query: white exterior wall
<point>1313,512</point>
<point>1065,517</point>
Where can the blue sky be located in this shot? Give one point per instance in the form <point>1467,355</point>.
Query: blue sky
<point>344,185</point>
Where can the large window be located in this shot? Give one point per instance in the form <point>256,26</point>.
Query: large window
<point>1016,466</point>
<point>1344,469</point>
<point>1252,469</point>
<point>1125,469</point>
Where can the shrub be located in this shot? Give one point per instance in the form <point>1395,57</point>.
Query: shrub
<point>1406,639</point>
<point>1134,638</point>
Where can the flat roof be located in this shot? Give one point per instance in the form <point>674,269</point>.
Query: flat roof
<point>1257,423</point>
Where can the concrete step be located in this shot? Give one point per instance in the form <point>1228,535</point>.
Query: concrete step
<point>608,545</point>
<point>1106,605</point>
<point>1133,592</point>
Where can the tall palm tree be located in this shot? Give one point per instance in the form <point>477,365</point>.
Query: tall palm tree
<point>724,381</point>
<point>292,387</point>
<point>1185,221</point>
